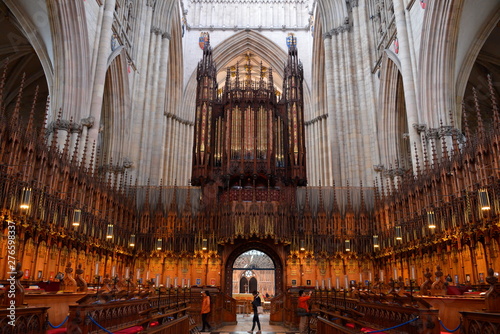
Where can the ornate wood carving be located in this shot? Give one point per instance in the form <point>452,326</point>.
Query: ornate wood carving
<point>68,283</point>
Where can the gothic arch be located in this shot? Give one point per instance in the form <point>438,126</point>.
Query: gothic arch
<point>115,104</point>
<point>243,284</point>
<point>71,61</point>
<point>236,45</point>
<point>463,70</point>
<point>24,54</point>
<point>442,75</point>
<point>333,13</point>
<point>36,29</point>
<point>165,11</point>
<point>393,121</point>
<point>251,245</point>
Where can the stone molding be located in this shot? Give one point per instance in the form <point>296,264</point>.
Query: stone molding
<point>346,27</point>
<point>64,125</point>
<point>178,119</point>
<point>88,122</point>
<point>419,127</point>
<point>316,119</point>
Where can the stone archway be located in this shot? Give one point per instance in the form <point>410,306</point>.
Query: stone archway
<point>270,251</point>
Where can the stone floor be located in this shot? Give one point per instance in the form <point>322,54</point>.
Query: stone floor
<point>245,324</point>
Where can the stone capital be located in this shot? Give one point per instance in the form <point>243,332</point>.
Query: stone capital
<point>88,122</point>
<point>419,127</point>
<point>432,133</point>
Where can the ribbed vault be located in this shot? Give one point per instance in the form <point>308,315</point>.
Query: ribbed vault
<point>333,13</point>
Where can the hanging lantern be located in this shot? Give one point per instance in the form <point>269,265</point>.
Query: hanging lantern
<point>25,198</point>
<point>159,243</point>
<point>302,245</point>
<point>204,244</point>
<point>132,241</point>
<point>77,217</point>
<point>109,232</point>
<point>347,244</point>
<point>375,242</point>
<point>431,219</point>
<point>484,200</point>
<point>399,236</point>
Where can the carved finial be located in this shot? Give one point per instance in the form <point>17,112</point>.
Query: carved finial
<point>444,147</point>
<point>29,127</point>
<point>480,125</point>
<point>494,105</point>
<point>2,82</point>
<point>68,283</point>
<point>466,123</point>
<point>434,154</point>
<point>92,155</point>
<point>417,160</point>
<point>74,157</point>
<point>65,152</point>
<point>41,137</point>
<point>55,132</point>
<point>80,282</point>
<point>335,202</point>
<point>426,160</point>
<point>17,109</point>
<point>454,137</point>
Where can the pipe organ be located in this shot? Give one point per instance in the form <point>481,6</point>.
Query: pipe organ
<point>248,134</point>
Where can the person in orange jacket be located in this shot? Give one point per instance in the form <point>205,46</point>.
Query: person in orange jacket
<point>205,310</point>
<point>304,310</point>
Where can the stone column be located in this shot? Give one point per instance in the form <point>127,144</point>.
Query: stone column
<point>101,68</point>
<point>158,126</point>
<point>408,80</point>
<point>330,108</point>
<point>135,141</point>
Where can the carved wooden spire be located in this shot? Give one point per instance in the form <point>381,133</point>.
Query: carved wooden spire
<point>417,161</point>
<point>14,121</point>
<point>454,137</point>
<point>444,147</point>
<point>480,125</point>
<point>494,105</point>
<point>466,123</point>
<point>2,83</point>
<point>30,127</point>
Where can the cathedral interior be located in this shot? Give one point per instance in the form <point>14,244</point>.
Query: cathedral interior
<point>151,149</point>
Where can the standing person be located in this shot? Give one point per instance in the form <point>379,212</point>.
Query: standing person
<point>255,303</point>
<point>205,310</point>
<point>303,310</point>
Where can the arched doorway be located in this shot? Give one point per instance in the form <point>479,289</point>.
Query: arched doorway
<point>272,252</point>
<point>254,271</point>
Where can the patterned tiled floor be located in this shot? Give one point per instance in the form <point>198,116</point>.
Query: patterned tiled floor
<point>245,324</point>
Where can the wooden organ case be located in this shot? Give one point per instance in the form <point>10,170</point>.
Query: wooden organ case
<point>247,134</point>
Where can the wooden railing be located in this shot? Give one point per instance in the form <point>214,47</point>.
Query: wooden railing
<point>168,312</point>
<point>381,312</point>
<point>112,316</point>
<point>480,322</point>
<point>327,326</point>
<point>28,320</point>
